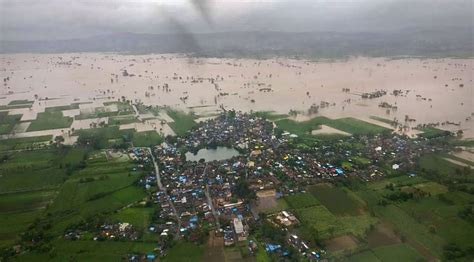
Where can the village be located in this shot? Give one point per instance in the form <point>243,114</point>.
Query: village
<point>225,197</point>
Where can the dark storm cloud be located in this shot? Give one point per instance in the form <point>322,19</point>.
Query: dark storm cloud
<point>44,19</point>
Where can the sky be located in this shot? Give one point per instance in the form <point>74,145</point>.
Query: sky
<point>68,19</point>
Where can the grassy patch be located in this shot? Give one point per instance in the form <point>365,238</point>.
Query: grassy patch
<point>431,132</point>
<point>367,256</point>
<point>184,251</point>
<point>398,252</point>
<point>139,217</point>
<point>104,137</point>
<point>410,228</point>
<point>8,122</point>
<point>122,120</point>
<point>349,125</point>
<point>301,200</point>
<point>383,120</point>
<point>183,122</point>
<point>281,205</point>
<point>30,170</point>
<point>88,250</point>
<point>62,108</point>
<point>270,115</point>
<point>15,223</point>
<point>23,143</point>
<point>20,102</point>
<point>50,120</point>
<point>28,201</point>
<point>147,138</point>
<point>335,199</point>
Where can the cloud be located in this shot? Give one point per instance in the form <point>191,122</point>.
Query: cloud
<point>44,19</point>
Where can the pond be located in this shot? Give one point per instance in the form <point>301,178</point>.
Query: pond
<point>220,153</point>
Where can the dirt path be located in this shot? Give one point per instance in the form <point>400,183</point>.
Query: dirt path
<point>214,249</point>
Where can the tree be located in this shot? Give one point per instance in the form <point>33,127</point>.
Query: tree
<point>58,140</point>
<point>243,191</point>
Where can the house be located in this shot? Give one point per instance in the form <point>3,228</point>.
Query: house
<point>239,229</point>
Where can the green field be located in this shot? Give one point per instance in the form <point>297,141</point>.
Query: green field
<point>104,137</point>
<point>271,115</point>
<point>23,143</point>
<point>147,138</point>
<point>304,200</point>
<point>30,170</point>
<point>349,125</point>
<point>432,132</point>
<point>88,250</point>
<point>398,252</point>
<point>122,120</point>
<point>8,122</point>
<point>62,108</point>
<point>182,122</point>
<point>184,251</point>
<point>50,120</point>
<point>335,199</point>
<point>137,216</point>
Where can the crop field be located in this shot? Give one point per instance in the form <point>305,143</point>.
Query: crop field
<point>335,199</point>
<point>88,250</point>
<point>50,120</point>
<point>137,216</point>
<point>303,200</point>
<point>24,143</point>
<point>191,251</point>
<point>147,138</point>
<point>316,217</point>
<point>349,125</point>
<point>182,122</point>
<point>122,120</point>
<point>8,122</point>
<point>30,170</point>
<point>431,221</point>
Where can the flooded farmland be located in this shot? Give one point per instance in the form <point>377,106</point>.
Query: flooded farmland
<point>417,91</point>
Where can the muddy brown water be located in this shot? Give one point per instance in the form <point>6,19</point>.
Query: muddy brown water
<point>434,90</point>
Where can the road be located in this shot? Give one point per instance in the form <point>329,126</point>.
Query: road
<point>162,188</point>
<point>209,200</point>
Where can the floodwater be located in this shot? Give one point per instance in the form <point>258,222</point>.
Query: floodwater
<point>220,153</point>
<point>431,91</point>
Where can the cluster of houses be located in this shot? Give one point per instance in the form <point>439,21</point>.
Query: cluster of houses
<point>193,195</point>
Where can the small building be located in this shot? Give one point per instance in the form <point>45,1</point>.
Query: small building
<point>239,229</point>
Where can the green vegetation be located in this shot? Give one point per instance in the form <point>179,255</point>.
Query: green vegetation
<point>280,206</point>
<point>17,104</point>
<point>50,120</point>
<point>8,122</point>
<point>24,143</point>
<point>62,108</point>
<point>147,138</point>
<point>383,120</point>
<point>184,250</point>
<point>88,250</point>
<point>432,132</point>
<point>349,125</point>
<point>137,216</point>
<point>122,120</point>
<point>182,122</point>
<point>335,199</point>
<point>104,137</point>
<point>271,115</point>
<point>31,170</point>
<point>109,110</point>
<point>301,201</point>
<point>395,253</point>
<point>20,102</point>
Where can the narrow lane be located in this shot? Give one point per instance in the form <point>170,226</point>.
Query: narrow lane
<point>162,188</point>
